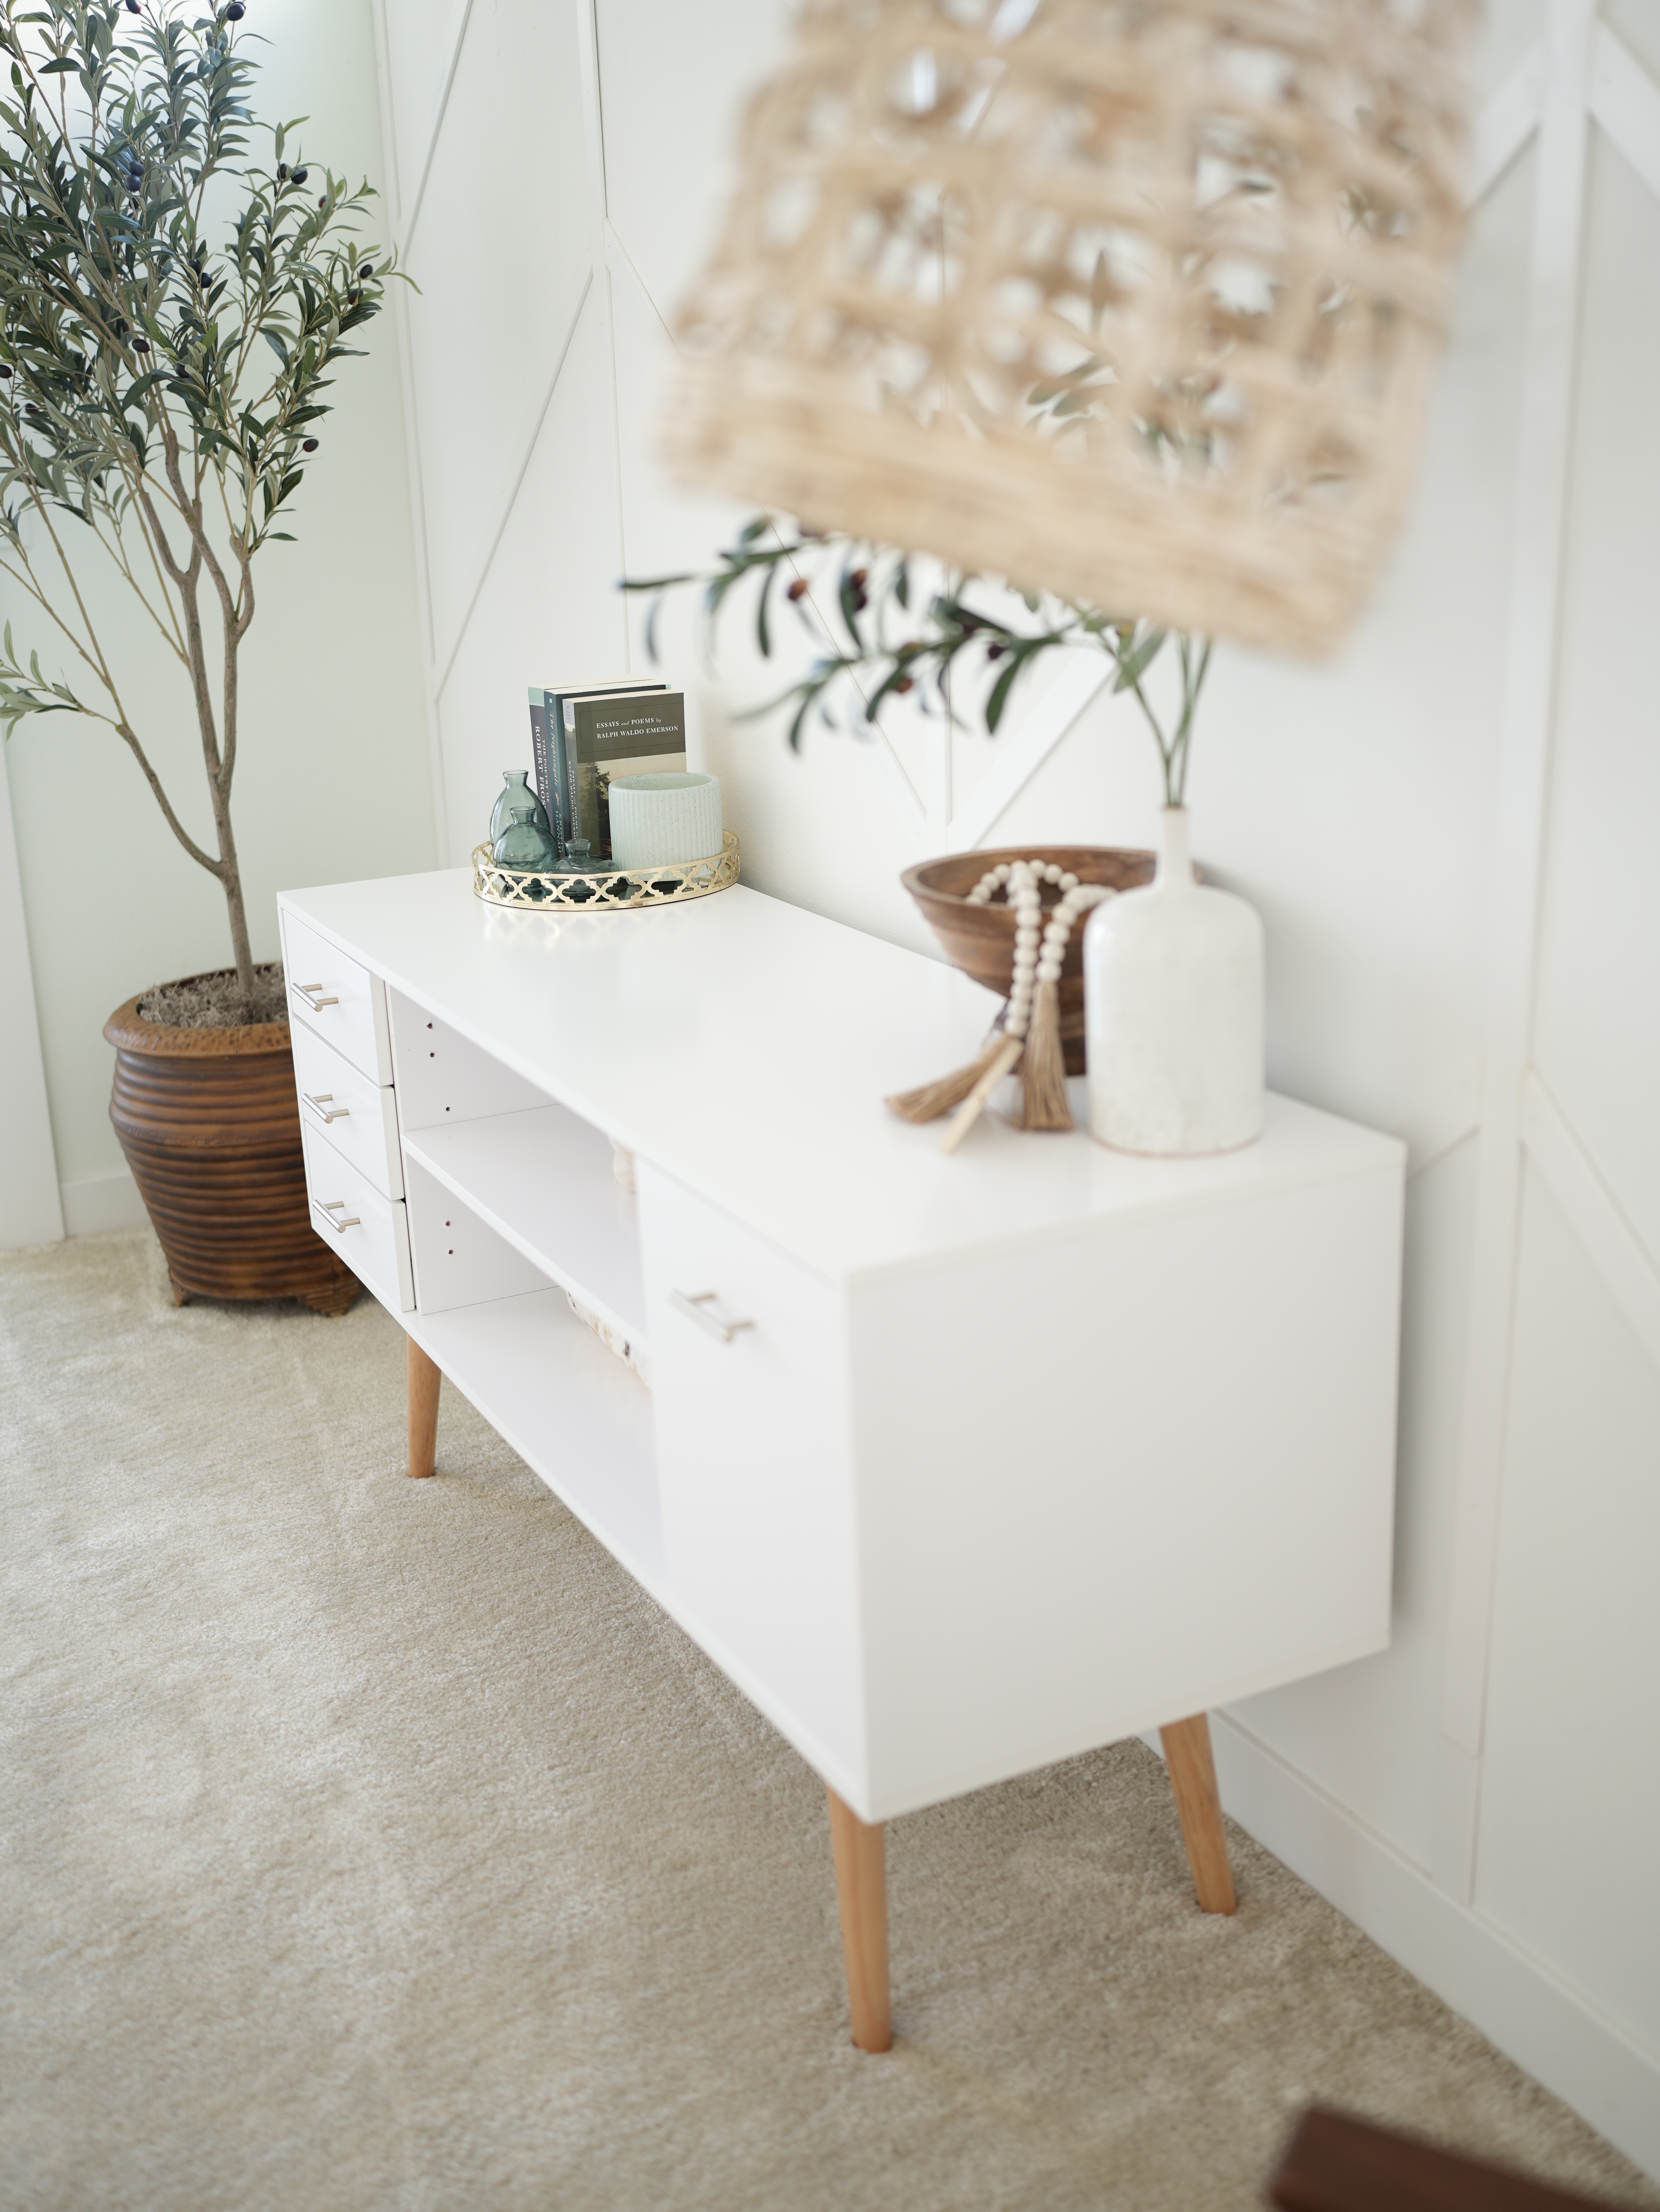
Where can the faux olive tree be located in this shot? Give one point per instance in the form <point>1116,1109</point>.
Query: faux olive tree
<point>169,315</point>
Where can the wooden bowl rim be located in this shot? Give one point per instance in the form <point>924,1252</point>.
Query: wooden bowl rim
<point>1065,856</point>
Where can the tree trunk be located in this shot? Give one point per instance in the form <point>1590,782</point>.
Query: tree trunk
<point>218,755</point>
<point>232,880</point>
<point>230,870</point>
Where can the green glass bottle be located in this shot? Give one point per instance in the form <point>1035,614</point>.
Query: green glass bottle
<point>523,845</point>
<point>516,791</point>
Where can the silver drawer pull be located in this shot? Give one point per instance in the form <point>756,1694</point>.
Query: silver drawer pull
<point>697,1307</point>
<point>322,1102</point>
<point>331,1206</point>
<point>314,995</point>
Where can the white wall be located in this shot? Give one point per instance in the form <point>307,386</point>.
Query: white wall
<point>333,778</point>
<point>1448,832</point>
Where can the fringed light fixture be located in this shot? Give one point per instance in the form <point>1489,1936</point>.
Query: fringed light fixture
<point>1136,301</point>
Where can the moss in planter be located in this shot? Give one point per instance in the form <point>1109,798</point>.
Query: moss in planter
<point>213,1002</point>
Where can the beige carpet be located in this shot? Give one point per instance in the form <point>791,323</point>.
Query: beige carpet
<point>373,1843</point>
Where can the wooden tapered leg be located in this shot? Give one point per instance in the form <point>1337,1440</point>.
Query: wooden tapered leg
<point>1193,1778</point>
<point>862,1889</point>
<point>424,1379</point>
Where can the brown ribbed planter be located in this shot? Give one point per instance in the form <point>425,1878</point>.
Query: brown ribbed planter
<point>210,1122</point>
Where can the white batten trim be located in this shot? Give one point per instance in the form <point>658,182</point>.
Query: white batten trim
<point>940,779</point>
<point>1436,1130</point>
<point>520,471</point>
<point>1625,101</point>
<point>1507,120</point>
<point>1594,1213</point>
<point>412,430</point>
<point>408,216</point>
<point>596,195</point>
<point>616,250</point>
<point>93,1204</point>
<point>908,799</point>
<point>1080,684</point>
<point>1535,2018</point>
<point>1547,426</point>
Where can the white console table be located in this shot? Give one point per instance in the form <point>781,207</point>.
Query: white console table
<point>955,1465</point>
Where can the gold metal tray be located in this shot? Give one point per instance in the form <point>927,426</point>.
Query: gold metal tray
<point>668,885</point>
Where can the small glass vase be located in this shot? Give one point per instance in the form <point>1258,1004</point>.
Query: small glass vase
<point>516,792</point>
<point>525,846</point>
<point>578,861</point>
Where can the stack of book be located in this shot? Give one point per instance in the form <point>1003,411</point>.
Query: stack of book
<point>582,735</point>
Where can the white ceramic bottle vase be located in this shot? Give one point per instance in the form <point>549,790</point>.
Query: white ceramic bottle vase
<point>1173,1011</point>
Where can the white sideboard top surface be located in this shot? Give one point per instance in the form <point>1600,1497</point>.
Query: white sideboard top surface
<point>745,1045</point>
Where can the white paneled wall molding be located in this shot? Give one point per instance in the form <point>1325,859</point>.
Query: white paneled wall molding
<point>1508,122</point>
<point>1513,927</point>
<point>1625,1265</point>
<point>1390,1786</point>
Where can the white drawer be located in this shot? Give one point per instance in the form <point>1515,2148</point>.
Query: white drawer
<point>754,1466</point>
<point>337,998</point>
<point>366,1229</point>
<point>356,1116</point>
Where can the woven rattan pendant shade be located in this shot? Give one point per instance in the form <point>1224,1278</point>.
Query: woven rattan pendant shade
<point>1136,301</point>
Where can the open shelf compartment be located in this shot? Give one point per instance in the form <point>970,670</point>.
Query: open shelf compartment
<point>573,1413</point>
<point>543,1180</point>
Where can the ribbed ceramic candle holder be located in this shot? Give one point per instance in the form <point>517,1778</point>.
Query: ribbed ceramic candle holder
<point>664,817</point>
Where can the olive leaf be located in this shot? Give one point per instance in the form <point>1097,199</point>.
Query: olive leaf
<point>868,583</point>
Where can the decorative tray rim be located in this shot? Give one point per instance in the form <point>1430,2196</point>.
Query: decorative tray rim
<point>671,883</point>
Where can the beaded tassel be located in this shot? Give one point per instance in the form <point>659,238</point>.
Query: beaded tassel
<point>929,1100</point>
<point>1030,1038</point>
<point>1043,1067</point>
<point>1043,1070</point>
<point>1002,1062</point>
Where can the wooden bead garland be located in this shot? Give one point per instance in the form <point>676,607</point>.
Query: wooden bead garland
<point>1029,1033</point>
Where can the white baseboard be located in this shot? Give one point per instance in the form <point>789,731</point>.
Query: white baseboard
<point>93,1203</point>
<point>1535,2018</point>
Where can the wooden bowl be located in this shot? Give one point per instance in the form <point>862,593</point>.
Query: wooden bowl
<point>980,939</point>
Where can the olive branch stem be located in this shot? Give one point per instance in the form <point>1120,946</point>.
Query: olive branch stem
<point>894,649</point>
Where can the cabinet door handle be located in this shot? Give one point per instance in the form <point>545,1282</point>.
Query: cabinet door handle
<point>699,1307</point>
<point>314,995</point>
<point>322,1102</point>
<point>331,1206</point>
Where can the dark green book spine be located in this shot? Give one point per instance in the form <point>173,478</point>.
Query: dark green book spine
<point>541,755</point>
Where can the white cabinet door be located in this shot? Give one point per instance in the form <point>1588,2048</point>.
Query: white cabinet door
<point>759,1540</point>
